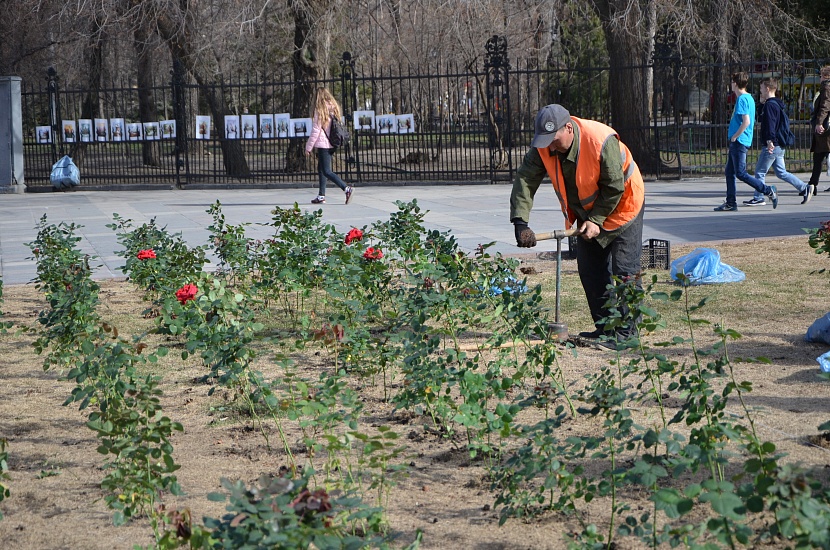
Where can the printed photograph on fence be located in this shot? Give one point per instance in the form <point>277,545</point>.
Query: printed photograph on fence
<point>231,126</point>
<point>364,120</point>
<point>282,124</point>
<point>406,124</point>
<point>101,132</point>
<point>85,130</point>
<point>387,124</point>
<point>43,134</point>
<point>266,126</point>
<point>202,127</point>
<point>70,131</point>
<point>151,131</point>
<point>134,131</point>
<point>168,129</point>
<point>117,129</point>
<point>249,126</point>
<point>300,127</point>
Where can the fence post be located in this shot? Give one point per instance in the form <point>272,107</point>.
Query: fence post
<point>348,96</point>
<point>11,136</point>
<point>497,69</point>
<point>54,111</point>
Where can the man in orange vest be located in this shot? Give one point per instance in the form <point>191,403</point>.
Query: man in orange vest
<point>600,189</point>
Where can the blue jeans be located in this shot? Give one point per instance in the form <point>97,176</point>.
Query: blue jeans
<point>325,172</point>
<point>776,160</point>
<point>736,168</point>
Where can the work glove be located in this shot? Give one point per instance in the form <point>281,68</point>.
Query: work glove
<point>525,237</point>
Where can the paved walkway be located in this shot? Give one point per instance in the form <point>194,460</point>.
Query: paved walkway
<point>677,211</point>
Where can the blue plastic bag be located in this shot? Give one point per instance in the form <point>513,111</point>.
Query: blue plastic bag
<point>702,266</point>
<point>819,331</point>
<point>824,362</point>
<point>65,174</point>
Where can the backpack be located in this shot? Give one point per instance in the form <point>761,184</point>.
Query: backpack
<point>784,136</point>
<point>65,174</point>
<point>338,135</point>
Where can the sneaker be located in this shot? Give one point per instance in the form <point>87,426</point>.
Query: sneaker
<point>593,335</point>
<point>773,195</point>
<point>726,207</point>
<point>755,202</point>
<point>349,190</point>
<point>808,194</point>
<point>318,200</point>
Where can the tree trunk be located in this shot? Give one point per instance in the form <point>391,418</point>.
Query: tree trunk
<point>179,37</point>
<point>184,104</point>
<point>720,86</point>
<point>150,150</point>
<point>304,64</point>
<point>629,29</point>
<point>91,106</point>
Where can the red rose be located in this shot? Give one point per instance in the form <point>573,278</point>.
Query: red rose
<point>354,235</point>
<point>148,254</point>
<point>373,254</point>
<point>186,293</point>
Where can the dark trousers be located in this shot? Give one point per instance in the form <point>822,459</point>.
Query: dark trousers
<point>324,171</point>
<point>818,158</point>
<point>597,266</point>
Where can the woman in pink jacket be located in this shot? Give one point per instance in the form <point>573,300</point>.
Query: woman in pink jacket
<point>325,107</point>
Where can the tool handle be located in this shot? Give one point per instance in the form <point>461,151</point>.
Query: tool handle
<point>558,234</point>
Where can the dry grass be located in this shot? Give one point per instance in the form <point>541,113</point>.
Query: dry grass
<point>782,292</point>
<point>446,495</point>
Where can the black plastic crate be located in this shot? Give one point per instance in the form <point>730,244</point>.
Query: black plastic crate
<point>570,253</point>
<point>656,254</point>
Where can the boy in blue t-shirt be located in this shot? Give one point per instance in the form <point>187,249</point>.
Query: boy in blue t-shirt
<point>741,126</point>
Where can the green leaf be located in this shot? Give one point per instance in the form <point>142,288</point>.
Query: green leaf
<point>650,438</point>
<point>672,502</point>
<point>724,501</point>
<point>692,490</point>
<point>755,504</point>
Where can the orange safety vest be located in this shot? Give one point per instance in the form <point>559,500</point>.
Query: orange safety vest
<point>592,136</point>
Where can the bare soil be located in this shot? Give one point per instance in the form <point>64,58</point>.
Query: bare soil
<point>56,501</point>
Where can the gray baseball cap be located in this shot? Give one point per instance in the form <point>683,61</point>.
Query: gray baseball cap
<point>549,120</point>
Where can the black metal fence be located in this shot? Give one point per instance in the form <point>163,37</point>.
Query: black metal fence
<point>467,124</point>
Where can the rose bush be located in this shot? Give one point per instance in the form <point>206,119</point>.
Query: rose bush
<point>175,262</point>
